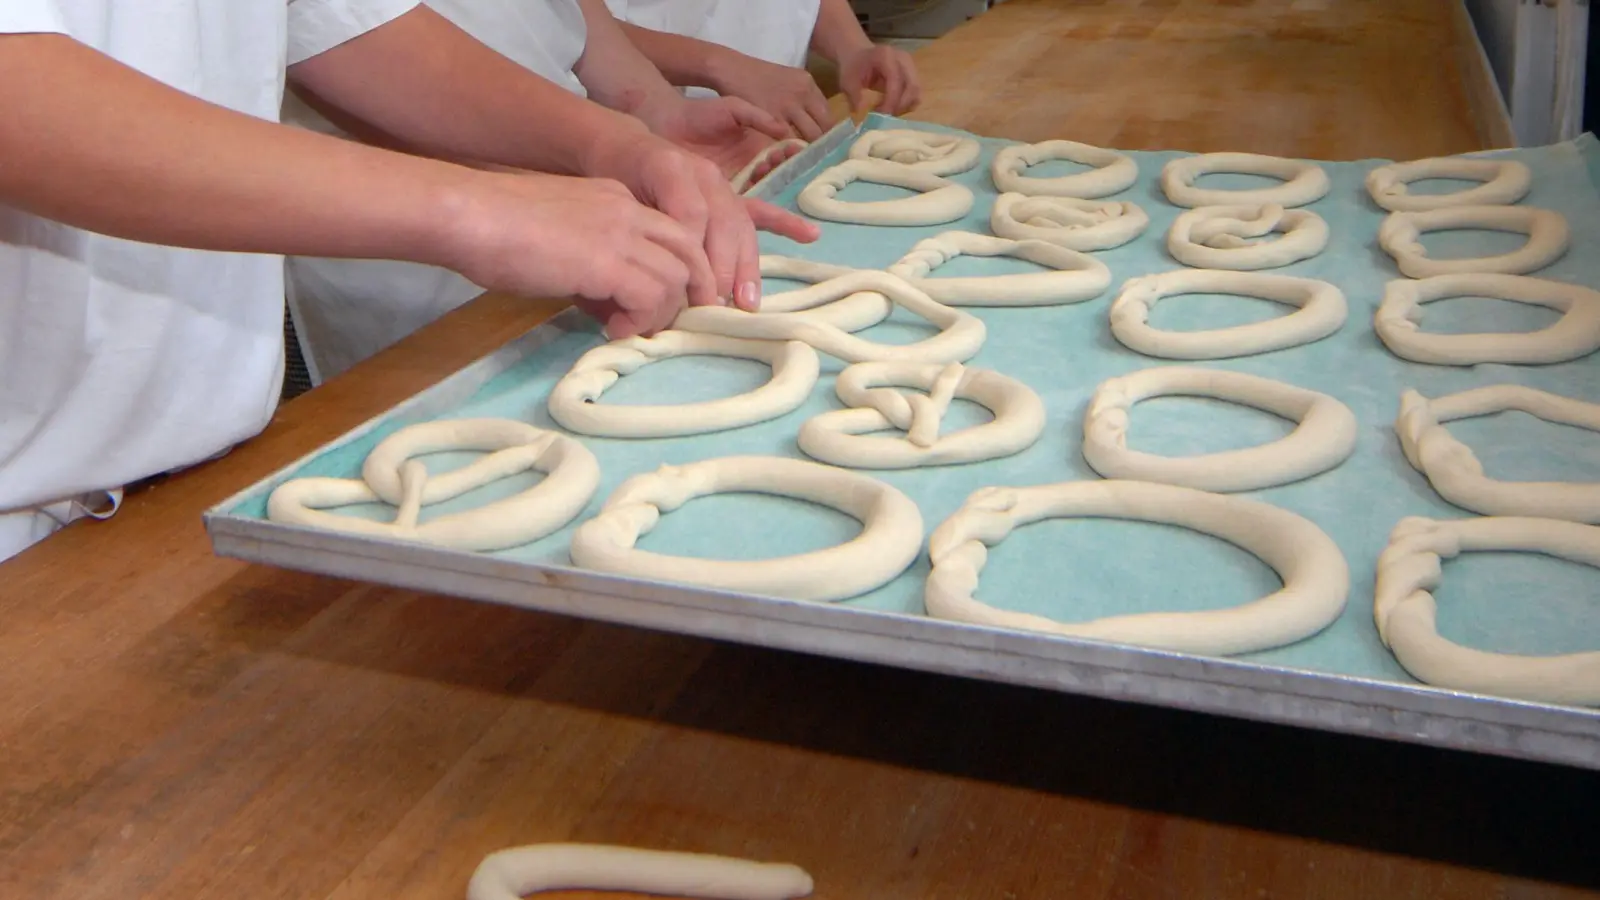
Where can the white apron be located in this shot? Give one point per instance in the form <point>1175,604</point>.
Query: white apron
<point>778,31</point>
<point>121,360</point>
<point>347,310</point>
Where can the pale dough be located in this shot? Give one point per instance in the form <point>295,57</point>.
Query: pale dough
<point>1304,182</point>
<point>1505,181</point>
<point>1548,236</point>
<point>1067,221</point>
<point>1077,276</point>
<point>390,475</point>
<point>574,402</point>
<point>741,182</point>
<point>1114,172</point>
<point>1316,578</point>
<point>1223,237</point>
<point>1322,311</point>
<point>938,154</point>
<point>845,437</point>
<point>1324,437</point>
<point>1575,334</point>
<point>889,541</point>
<point>818,303</point>
<point>519,871</point>
<point>939,200</point>
<point>1405,611</point>
<point>1454,471</point>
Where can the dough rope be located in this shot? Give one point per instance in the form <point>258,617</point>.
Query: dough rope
<point>742,182</point>
<point>818,303</point>
<point>889,541</point>
<point>1322,311</point>
<point>1069,222</point>
<point>845,437</point>
<point>1304,182</point>
<point>928,151</point>
<point>940,201</point>
<point>1113,172</point>
<point>1504,182</point>
<point>1576,334</point>
<point>1316,578</point>
<point>1324,437</point>
<point>1077,276</point>
<point>574,402</point>
<point>1548,237</point>
<point>1454,471</point>
<point>1405,611</point>
<point>390,475</point>
<point>1223,237</point>
<point>520,871</point>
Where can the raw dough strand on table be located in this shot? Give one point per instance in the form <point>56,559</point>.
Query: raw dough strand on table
<point>1548,237</point>
<point>929,151</point>
<point>742,182</point>
<point>1113,172</point>
<point>1576,334</point>
<point>520,871</point>
<point>818,302</point>
<point>1223,237</point>
<point>1505,181</point>
<point>938,201</point>
<point>1070,222</point>
<point>1077,276</point>
<point>1304,182</point>
<point>1322,311</point>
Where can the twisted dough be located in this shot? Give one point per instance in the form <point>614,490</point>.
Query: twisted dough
<point>519,871</point>
<point>1077,276</point>
<point>1505,182</point>
<point>1220,237</point>
<point>1067,221</point>
<point>940,201</point>
<point>1575,334</point>
<point>1304,182</point>
<point>1322,311</point>
<point>818,303</point>
<point>932,152</point>
<point>1113,172</point>
<point>1548,236</point>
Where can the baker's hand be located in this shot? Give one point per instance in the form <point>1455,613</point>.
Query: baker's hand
<point>888,70</point>
<point>786,92</point>
<point>726,130</point>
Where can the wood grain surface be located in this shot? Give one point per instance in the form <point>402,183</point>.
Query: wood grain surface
<point>173,725</point>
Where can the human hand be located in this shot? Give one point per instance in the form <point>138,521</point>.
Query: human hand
<point>888,70</point>
<point>726,130</point>
<point>786,92</point>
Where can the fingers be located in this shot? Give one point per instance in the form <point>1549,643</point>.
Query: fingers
<point>687,243</point>
<point>677,191</point>
<point>781,222</point>
<point>753,117</point>
<point>803,118</point>
<point>731,246</point>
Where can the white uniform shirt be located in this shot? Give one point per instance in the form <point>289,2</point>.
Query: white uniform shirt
<point>121,360</point>
<point>778,31</point>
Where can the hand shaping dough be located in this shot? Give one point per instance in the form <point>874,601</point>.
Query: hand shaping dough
<point>741,182</point>
<point>889,541</point>
<point>959,340</point>
<point>817,303</point>
<point>1067,221</point>
<point>1321,312</point>
<point>844,437</point>
<point>1575,334</point>
<point>574,400</point>
<point>1454,471</point>
<point>1077,276</point>
<point>1505,182</point>
<point>1316,579</point>
<point>929,151</point>
<point>1305,182</point>
<point>1324,438</point>
<point>1405,611</point>
<point>940,201</point>
<point>520,871</point>
<point>1400,236</point>
<point>1113,171</point>
<point>391,476</point>
<point>1223,237</point>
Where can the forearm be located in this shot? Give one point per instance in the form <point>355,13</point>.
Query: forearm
<point>837,33</point>
<point>682,61</point>
<point>615,73</point>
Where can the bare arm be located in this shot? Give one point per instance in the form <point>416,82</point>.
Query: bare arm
<point>684,61</point>
<point>838,33</point>
<point>614,71</point>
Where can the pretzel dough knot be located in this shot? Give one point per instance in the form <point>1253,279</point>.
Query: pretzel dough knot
<point>1230,233</point>
<point>637,506</point>
<point>988,517</point>
<point>926,256</point>
<point>1108,413</point>
<point>1411,566</point>
<point>907,149</point>
<point>600,368</point>
<point>918,415</point>
<point>1133,304</point>
<point>1415,424</point>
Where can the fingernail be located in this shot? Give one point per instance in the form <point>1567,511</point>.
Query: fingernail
<point>748,295</point>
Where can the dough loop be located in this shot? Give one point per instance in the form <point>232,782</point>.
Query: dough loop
<point>1504,182</point>
<point>1077,276</point>
<point>1548,236</point>
<point>1575,334</point>
<point>1223,237</point>
<point>574,400</point>
<point>1321,312</point>
<point>1114,172</point>
<point>1409,569</point>
<point>1454,471</point>
<point>818,303</point>
<point>844,437</point>
<point>940,200</point>
<point>742,181</point>
<point>929,151</point>
<point>520,871</point>
<point>1324,437</point>
<point>1316,578</point>
<point>391,476</point>
<point>889,541</point>
<point>1304,182</point>
<point>1067,221</point>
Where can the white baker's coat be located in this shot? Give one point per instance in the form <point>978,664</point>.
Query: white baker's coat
<point>121,360</point>
<point>778,31</point>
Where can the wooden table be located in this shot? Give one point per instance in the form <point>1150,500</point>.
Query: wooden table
<point>174,725</point>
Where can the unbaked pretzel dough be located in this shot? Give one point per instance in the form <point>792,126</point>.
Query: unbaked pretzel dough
<point>1304,182</point>
<point>1113,172</point>
<point>929,151</point>
<point>889,541</point>
<point>1575,334</point>
<point>1505,181</point>
<point>1406,612</point>
<point>574,402</point>
<point>1223,237</point>
<point>844,437</point>
<point>742,182</point>
<point>1321,312</point>
<point>1067,221</point>
<point>520,871</point>
<point>1077,276</point>
<point>817,303</point>
<point>1454,471</point>
<point>1324,438</point>
<point>1316,578</point>
<point>390,475</point>
<point>1548,236</point>
<point>940,200</point>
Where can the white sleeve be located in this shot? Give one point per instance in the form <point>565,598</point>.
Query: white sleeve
<point>31,17</point>
<point>316,26</point>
